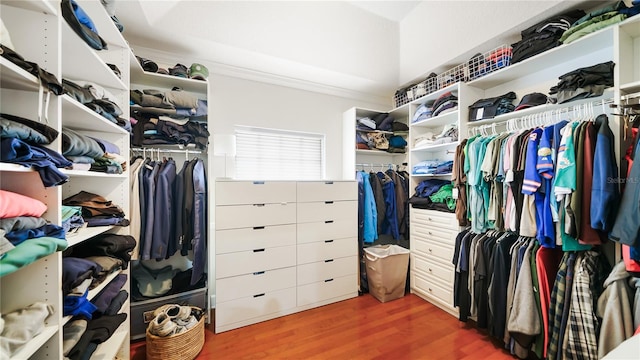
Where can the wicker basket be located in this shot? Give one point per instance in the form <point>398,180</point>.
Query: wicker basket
<point>184,346</point>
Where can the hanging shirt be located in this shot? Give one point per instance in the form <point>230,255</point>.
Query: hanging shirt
<point>370,212</point>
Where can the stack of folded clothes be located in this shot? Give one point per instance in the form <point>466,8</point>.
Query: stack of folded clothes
<point>195,71</point>
<point>18,327</point>
<point>445,103</point>
<point>583,83</point>
<point>90,153</point>
<point>599,19</point>
<point>21,142</point>
<point>423,112</point>
<point>98,99</point>
<point>449,134</point>
<point>432,167</point>
<point>168,117</point>
<point>434,194</point>
<point>544,35</point>
<point>96,210</point>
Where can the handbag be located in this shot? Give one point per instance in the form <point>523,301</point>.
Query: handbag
<point>491,107</point>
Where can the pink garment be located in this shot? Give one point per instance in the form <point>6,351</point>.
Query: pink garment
<point>13,204</point>
<point>547,263</point>
<point>629,264</point>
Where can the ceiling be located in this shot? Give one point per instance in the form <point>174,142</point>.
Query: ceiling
<point>350,47</point>
<point>327,43</point>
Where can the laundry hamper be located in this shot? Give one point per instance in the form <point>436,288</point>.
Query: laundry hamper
<point>183,346</point>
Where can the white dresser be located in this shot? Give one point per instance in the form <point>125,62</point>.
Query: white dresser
<point>433,235</point>
<point>282,247</point>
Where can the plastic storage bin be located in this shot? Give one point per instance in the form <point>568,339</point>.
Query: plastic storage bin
<point>387,267</point>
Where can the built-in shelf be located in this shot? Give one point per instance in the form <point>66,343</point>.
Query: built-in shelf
<point>86,233</point>
<point>437,147</point>
<point>16,78</point>
<point>156,80</point>
<point>80,61</point>
<point>93,174</point>
<point>630,88</point>
<point>375,131</point>
<point>377,153</point>
<point>558,55</point>
<point>79,117</point>
<point>608,95</point>
<point>432,175</point>
<point>30,348</point>
<point>440,120</point>
<point>103,23</point>
<point>7,167</point>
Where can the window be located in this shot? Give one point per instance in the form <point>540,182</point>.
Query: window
<point>271,154</point>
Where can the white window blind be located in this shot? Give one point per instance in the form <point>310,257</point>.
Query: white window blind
<point>272,154</point>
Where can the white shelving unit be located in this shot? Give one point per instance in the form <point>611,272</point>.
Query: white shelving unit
<point>41,35</point>
<point>362,156</point>
<point>142,80</point>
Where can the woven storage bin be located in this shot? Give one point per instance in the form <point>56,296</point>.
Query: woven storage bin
<point>184,346</point>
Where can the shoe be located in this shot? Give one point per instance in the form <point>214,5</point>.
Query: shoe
<point>162,326</point>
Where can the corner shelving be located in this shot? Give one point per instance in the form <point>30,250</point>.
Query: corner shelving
<point>86,233</point>
<point>16,78</point>
<point>440,120</point>
<point>585,46</point>
<point>80,117</point>
<point>436,147</point>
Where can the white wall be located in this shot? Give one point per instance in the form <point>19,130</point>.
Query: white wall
<point>438,33</point>
<point>235,101</point>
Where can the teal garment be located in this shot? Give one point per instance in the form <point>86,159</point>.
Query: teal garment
<point>593,27</point>
<point>576,28</point>
<point>29,251</point>
<point>603,10</point>
<point>484,188</point>
<point>69,211</point>
<point>569,243</point>
<point>444,195</point>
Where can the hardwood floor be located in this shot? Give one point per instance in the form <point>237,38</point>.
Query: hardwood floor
<point>360,328</point>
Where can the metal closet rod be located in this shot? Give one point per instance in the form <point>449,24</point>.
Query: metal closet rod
<point>542,114</point>
<point>183,151</point>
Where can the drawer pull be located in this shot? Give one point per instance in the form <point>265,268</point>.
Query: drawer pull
<point>328,280</point>
<point>258,228</point>
<point>258,205</point>
<point>430,270</point>
<point>430,233</point>
<point>328,222</point>
<point>328,202</point>
<point>430,290</point>
<point>430,250</point>
<point>329,260</point>
<point>430,219</point>
<point>260,250</point>
<point>328,241</point>
<point>262,272</point>
<point>328,182</point>
<point>258,183</point>
<point>258,295</point>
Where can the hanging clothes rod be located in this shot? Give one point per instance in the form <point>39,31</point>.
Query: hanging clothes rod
<point>183,151</point>
<point>538,118</point>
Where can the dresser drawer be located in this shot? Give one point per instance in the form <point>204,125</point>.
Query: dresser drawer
<point>433,288</point>
<point>247,262</point>
<point>432,233</point>
<point>327,190</point>
<point>327,269</point>
<point>431,268</point>
<point>327,289</point>
<point>244,239</point>
<point>327,210</point>
<point>254,192</point>
<point>439,219</point>
<point>432,250</point>
<point>254,306</point>
<point>326,250</point>
<point>242,216</point>
<point>326,230</point>
<point>237,287</point>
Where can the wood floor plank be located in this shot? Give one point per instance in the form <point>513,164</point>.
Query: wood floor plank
<point>359,328</point>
